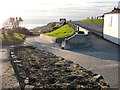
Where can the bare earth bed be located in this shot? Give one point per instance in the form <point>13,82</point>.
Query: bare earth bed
<point>41,69</point>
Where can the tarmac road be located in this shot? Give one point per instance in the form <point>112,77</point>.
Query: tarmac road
<point>101,57</point>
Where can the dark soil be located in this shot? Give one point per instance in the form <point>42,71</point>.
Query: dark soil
<point>47,70</point>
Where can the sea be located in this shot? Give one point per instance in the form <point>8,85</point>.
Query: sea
<point>32,23</point>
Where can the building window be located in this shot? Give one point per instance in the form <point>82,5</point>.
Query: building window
<point>110,21</point>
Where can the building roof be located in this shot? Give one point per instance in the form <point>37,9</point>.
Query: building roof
<point>114,11</point>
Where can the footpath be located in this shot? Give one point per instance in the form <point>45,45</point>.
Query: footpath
<point>7,76</point>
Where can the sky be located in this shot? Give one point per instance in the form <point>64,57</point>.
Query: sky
<point>43,11</point>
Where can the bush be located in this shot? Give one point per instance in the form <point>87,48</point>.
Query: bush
<point>9,37</point>
<point>18,36</point>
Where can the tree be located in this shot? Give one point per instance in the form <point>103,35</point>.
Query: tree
<point>12,23</point>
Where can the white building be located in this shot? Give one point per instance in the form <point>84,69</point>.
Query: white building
<point>111,30</point>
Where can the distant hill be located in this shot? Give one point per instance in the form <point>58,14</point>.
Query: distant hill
<point>44,29</point>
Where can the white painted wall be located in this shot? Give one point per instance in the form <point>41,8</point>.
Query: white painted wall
<point>112,27</point>
<point>84,30</point>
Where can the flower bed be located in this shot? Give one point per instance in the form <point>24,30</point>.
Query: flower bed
<point>40,69</point>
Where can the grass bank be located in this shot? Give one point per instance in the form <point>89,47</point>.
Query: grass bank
<point>61,32</point>
<point>13,38</point>
<point>98,21</point>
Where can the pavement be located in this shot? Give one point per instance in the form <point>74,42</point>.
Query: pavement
<point>7,75</point>
<point>101,57</point>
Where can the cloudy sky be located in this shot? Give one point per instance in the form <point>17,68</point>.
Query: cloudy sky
<point>43,11</point>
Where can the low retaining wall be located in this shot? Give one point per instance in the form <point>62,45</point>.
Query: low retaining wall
<point>76,41</point>
<point>78,28</point>
<point>52,39</point>
<point>83,29</point>
<point>20,70</point>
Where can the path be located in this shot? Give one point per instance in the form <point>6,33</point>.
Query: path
<point>7,76</point>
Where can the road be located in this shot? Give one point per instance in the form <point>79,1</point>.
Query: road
<point>101,57</point>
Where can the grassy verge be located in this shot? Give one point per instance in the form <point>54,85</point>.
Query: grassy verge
<point>98,21</point>
<point>12,38</point>
<point>61,32</point>
<point>8,37</point>
<point>18,36</point>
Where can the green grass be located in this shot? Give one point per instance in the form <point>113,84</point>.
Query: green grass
<point>1,37</point>
<point>18,36</point>
<point>8,37</point>
<point>12,38</point>
<point>98,21</point>
<point>61,32</point>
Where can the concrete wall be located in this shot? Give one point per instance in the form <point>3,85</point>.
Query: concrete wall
<point>77,28</point>
<point>76,41</point>
<point>112,27</point>
<point>83,29</point>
